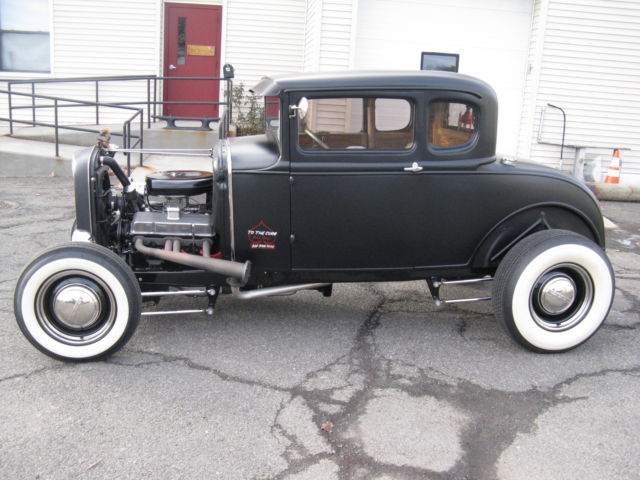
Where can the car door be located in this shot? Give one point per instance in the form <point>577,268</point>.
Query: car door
<point>369,202</point>
<point>351,190</point>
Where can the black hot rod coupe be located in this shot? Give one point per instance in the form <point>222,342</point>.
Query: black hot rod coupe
<point>360,177</point>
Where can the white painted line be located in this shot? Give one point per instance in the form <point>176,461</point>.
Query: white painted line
<point>608,224</point>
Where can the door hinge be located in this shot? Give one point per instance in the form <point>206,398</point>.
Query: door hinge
<point>292,238</point>
<point>291,180</point>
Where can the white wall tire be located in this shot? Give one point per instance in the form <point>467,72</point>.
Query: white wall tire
<point>534,313</point>
<point>98,325</point>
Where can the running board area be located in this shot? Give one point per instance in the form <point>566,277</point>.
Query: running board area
<point>212,293</point>
<point>435,283</point>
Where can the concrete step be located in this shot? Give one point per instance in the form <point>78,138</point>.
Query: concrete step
<point>31,158</point>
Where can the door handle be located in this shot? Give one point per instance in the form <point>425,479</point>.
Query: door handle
<point>413,168</point>
<point>172,67</point>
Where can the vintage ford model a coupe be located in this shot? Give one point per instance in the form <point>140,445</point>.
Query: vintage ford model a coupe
<point>360,177</point>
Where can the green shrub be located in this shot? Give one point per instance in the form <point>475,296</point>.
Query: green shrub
<point>248,111</point>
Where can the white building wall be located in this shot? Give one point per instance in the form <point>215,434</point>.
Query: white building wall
<point>330,33</point>
<point>264,38</point>
<point>536,42</point>
<point>97,38</point>
<point>338,25</point>
<point>588,64</point>
<point>313,33</point>
<point>329,47</point>
<point>491,36</point>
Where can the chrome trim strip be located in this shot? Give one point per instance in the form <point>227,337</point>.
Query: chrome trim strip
<point>230,190</point>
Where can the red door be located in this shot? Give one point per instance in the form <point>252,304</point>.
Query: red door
<point>192,49</point>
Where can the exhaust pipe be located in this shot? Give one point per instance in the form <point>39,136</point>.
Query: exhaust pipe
<point>236,270</point>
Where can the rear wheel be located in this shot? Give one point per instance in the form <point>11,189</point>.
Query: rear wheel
<point>77,301</point>
<point>553,290</point>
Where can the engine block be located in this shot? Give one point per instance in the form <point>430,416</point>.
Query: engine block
<point>158,224</point>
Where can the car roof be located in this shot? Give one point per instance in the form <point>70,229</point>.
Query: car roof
<point>420,79</point>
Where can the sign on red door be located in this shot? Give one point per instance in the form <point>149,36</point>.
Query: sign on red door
<point>192,49</point>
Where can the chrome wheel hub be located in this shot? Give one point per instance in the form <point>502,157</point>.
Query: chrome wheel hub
<point>76,306</point>
<point>557,294</point>
<point>561,297</point>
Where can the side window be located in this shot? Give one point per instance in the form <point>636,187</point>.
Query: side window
<point>356,123</point>
<point>451,124</point>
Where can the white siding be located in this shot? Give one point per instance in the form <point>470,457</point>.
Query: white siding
<point>338,23</point>
<point>491,36</point>
<point>264,38</point>
<point>589,64</point>
<point>330,30</point>
<point>97,38</point>
<point>536,42</point>
<point>313,33</point>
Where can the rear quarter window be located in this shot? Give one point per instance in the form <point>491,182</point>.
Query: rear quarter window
<point>451,124</point>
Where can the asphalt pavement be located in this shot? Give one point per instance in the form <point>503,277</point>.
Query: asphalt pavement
<point>373,383</point>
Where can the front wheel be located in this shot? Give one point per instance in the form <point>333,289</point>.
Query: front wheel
<point>553,290</point>
<point>77,301</point>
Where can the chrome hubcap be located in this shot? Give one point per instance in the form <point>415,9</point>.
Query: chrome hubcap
<point>76,306</point>
<point>561,297</point>
<point>557,294</point>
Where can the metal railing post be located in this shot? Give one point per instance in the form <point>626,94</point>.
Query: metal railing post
<point>155,98</point>
<point>148,104</point>
<point>126,138</point>
<point>55,123</point>
<point>141,135</point>
<point>229,102</point>
<point>97,101</point>
<point>10,109</point>
<point>33,102</point>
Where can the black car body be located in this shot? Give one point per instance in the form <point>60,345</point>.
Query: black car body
<point>360,177</point>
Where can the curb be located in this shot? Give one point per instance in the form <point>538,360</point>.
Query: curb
<point>615,192</point>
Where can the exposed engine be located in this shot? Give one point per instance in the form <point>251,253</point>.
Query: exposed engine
<point>177,212</point>
<point>169,226</point>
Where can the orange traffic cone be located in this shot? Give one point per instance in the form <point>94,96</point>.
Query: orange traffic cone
<point>613,174</point>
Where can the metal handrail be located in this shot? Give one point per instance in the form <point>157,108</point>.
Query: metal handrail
<point>151,104</point>
<point>152,100</point>
<point>126,127</point>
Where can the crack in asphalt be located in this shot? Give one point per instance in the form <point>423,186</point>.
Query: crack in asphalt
<point>188,363</point>
<point>37,371</point>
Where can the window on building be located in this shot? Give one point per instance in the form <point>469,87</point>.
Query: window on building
<point>451,124</point>
<point>24,36</point>
<point>356,123</point>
